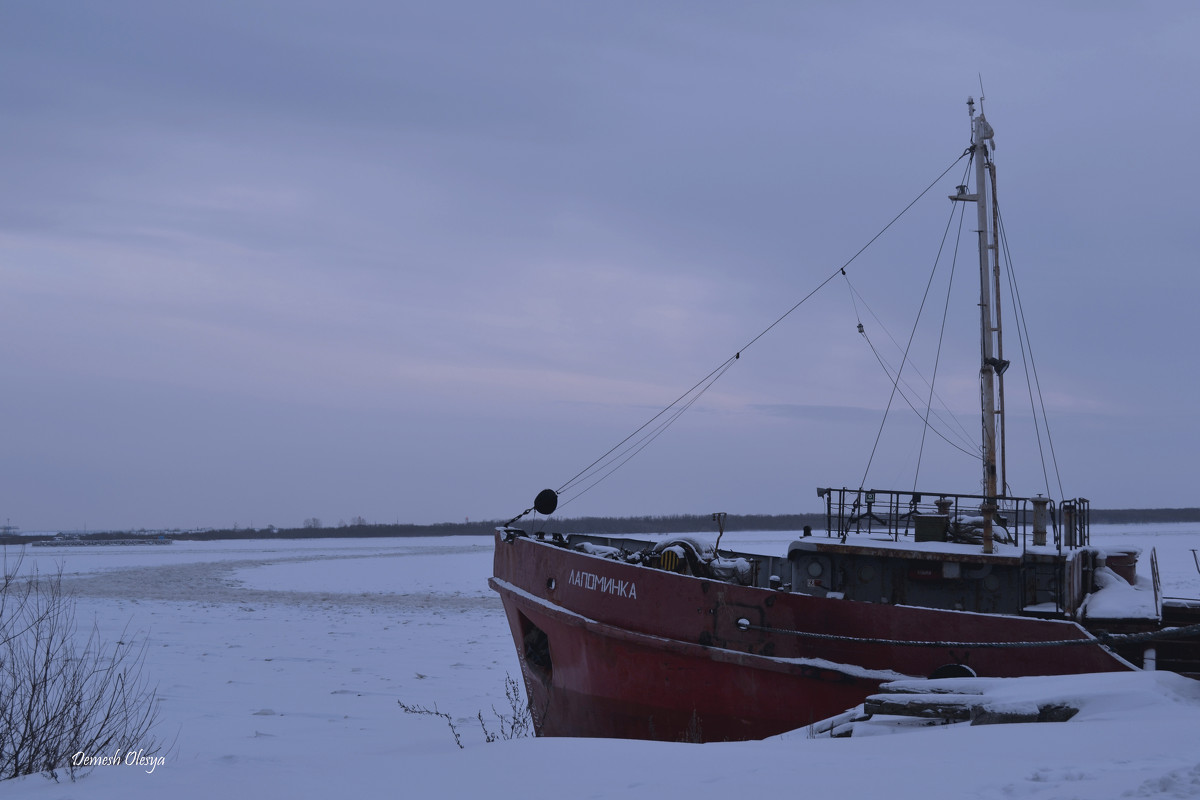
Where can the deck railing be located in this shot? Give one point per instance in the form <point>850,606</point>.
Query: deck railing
<point>956,517</point>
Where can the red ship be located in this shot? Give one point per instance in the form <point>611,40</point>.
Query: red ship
<point>676,639</point>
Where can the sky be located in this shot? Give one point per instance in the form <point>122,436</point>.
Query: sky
<point>265,262</point>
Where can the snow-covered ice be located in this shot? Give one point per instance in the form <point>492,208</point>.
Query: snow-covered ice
<point>279,666</point>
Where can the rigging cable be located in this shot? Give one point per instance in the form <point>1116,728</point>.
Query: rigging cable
<point>636,447</point>
<point>888,370</point>
<point>941,338</point>
<point>616,453</point>
<point>950,421</point>
<point>630,446</point>
<point>912,334</point>
<point>1030,367</point>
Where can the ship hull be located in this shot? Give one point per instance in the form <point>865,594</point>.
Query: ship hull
<point>612,649</point>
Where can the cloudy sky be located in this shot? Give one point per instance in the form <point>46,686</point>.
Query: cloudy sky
<point>266,261</point>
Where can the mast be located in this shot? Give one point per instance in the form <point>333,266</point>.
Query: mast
<point>992,363</point>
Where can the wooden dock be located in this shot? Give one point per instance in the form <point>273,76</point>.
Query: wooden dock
<point>916,703</point>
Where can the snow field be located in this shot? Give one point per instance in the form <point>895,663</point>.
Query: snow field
<point>279,665</point>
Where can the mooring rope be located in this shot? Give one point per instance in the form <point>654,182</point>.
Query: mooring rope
<point>1103,638</point>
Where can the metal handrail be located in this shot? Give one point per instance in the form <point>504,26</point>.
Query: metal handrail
<point>893,512</point>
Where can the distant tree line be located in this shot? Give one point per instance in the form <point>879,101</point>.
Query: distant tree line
<point>677,523</point>
<point>1137,516</point>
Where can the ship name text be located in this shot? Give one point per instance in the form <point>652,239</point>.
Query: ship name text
<point>599,583</point>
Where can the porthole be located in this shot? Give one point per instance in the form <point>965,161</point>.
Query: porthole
<point>814,568</point>
<point>866,574</point>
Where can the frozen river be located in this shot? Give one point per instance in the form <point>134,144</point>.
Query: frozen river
<point>279,664</point>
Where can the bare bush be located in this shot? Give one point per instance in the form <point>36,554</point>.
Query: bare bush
<point>65,699</point>
<point>517,724</point>
<point>416,709</point>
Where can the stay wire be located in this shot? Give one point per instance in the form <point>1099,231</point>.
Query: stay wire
<point>912,335</point>
<point>887,369</point>
<point>842,269</point>
<point>1031,374</point>
<point>941,338</point>
<point>952,423</point>
<point>710,378</point>
<point>604,461</point>
<point>620,460</point>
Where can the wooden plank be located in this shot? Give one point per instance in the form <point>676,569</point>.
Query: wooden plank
<point>965,708</point>
<point>1051,712</point>
<point>908,707</point>
<point>923,687</point>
